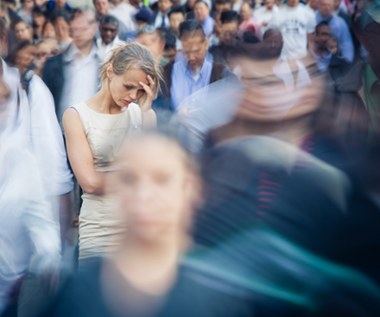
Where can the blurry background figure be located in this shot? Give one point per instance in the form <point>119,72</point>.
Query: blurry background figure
<point>23,31</point>
<point>228,37</point>
<point>25,11</point>
<point>263,15</point>
<point>39,19</point>
<point>161,19</point>
<point>95,129</point>
<point>73,75</point>
<point>102,8</point>
<point>246,20</point>
<point>45,49</point>
<point>154,40</point>
<point>62,31</point>
<point>313,5</point>
<point>147,276</point>
<point>297,24</point>
<point>202,15</point>
<point>23,56</point>
<point>189,9</point>
<point>61,6</point>
<point>108,40</point>
<point>124,12</point>
<point>338,28</point>
<point>193,69</point>
<point>144,17</point>
<point>170,50</point>
<point>29,236</point>
<point>176,17</point>
<point>328,52</point>
<point>48,30</point>
<point>219,6</point>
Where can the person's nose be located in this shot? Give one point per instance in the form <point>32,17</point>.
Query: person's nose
<point>133,94</point>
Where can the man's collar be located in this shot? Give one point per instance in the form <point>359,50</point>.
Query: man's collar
<point>72,52</point>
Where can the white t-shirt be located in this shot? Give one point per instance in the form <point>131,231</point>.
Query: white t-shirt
<point>295,23</point>
<point>262,16</point>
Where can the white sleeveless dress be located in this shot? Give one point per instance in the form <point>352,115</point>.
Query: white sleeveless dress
<point>98,225</point>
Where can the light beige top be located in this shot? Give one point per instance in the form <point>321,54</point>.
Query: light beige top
<point>98,224</point>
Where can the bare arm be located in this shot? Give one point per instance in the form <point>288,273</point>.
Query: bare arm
<point>80,155</point>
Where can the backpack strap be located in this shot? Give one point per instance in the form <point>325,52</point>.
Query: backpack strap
<point>216,72</point>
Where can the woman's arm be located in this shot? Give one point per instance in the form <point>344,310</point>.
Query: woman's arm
<point>148,115</point>
<point>80,154</point>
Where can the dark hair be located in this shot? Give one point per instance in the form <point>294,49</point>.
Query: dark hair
<point>20,46</point>
<point>60,14</point>
<point>38,11</point>
<point>176,9</point>
<point>320,24</point>
<point>109,19</point>
<point>223,1</point>
<point>150,29</point>
<point>144,14</point>
<point>229,16</point>
<point>191,27</point>
<point>170,39</point>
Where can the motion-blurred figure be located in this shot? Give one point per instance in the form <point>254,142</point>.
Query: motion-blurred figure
<point>73,75</point>
<point>146,276</point>
<point>29,235</point>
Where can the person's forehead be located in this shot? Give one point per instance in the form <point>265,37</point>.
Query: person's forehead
<point>109,26</point>
<point>230,25</point>
<point>201,5</point>
<point>148,36</point>
<point>177,15</point>
<point>193,39</point>
<point>81,20</point>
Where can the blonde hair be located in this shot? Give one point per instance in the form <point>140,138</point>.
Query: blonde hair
<point>132,56</point>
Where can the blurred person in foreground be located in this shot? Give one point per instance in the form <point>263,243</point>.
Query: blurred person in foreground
<point>73,75</point>
<point>285,101</point>
<point>95,129</point>
<point>147,275</point>
<point>29,235</point>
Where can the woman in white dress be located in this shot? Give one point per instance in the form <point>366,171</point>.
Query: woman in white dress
<point>95,130</point>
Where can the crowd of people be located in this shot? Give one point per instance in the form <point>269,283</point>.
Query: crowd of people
<point>189,158</point>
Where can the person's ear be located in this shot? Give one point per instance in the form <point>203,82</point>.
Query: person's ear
<point>109,72</point>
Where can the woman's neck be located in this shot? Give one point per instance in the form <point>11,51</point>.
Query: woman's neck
<point>103,102</point>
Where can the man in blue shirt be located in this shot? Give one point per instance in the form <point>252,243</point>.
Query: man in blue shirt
<point>338,28</point>
<point>193,68</point>
<point>202,14</point>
